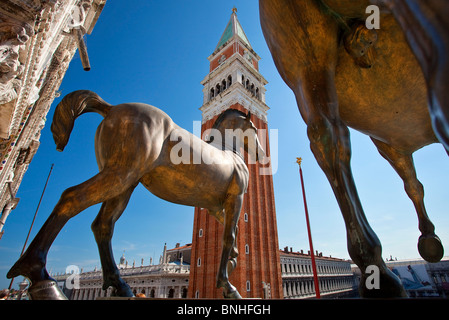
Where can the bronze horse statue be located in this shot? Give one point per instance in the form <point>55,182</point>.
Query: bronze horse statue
<point>138,143</point>
<point>346,75</point>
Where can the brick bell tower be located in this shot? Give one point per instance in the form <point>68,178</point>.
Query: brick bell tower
<point>234,82</point>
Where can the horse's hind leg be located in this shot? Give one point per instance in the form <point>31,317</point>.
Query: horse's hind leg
<point>103,229</point>
<point>103,186</point>
<point>232,263</point>
<point>429,245</point>
<point>229,253</point>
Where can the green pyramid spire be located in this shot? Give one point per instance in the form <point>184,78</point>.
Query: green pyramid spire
<point>233,28</point>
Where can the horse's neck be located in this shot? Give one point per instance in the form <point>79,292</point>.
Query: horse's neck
<point>224,144</point>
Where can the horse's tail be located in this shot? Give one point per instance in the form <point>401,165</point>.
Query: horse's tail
<point>71,107</point>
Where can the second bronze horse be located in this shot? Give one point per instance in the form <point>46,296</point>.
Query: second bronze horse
<point>138,143</point>
<point>345,75</point>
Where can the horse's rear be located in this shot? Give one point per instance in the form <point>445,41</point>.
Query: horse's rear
<point>139,130</point>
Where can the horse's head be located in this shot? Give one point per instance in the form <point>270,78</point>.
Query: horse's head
<point>239,131</point>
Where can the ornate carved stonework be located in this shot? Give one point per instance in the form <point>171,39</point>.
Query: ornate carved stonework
<point>38,39</point>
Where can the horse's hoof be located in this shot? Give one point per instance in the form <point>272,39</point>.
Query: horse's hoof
<point>123,291</point>
<point>19,268</point>
<point>234,294</point>
<point>229,291</point>
<point>14,272</point>
<point>430,248</point>
<point>46,290</point>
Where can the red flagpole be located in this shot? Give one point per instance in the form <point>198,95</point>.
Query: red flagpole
<point>312,255</point>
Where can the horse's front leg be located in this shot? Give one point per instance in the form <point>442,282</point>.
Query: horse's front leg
<point>103,228</point>
<point>228,261</point>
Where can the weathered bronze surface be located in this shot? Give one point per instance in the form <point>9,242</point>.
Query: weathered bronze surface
<point>134,143</point>
<point>426,27</point>
<point>344,75</point>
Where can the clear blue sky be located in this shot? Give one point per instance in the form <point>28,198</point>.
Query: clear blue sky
<point>156,52</point>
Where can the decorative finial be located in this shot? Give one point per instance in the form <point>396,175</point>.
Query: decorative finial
<point>234,10</point>
<point>298,161</point>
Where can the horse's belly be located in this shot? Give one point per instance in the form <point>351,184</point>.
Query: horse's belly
<point>188,184</point>
<point>387,101</point>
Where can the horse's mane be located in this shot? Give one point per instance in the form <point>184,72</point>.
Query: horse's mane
<point>225,114</point>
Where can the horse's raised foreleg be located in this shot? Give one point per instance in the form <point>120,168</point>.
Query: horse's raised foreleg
<point>429,245</point>
<point>228,261</point>
<point>103,229</point>
<point>103,186</point>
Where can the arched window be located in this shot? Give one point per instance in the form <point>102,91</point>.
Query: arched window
<point>171,293</point>
<point>246,249</point>
<point>229,80</point>
<point>212,93</point>
<point>223,85</point>
<point>248,285</point>
<point>200,233</point>
<point>218,88</point>
<point>245,217</point>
